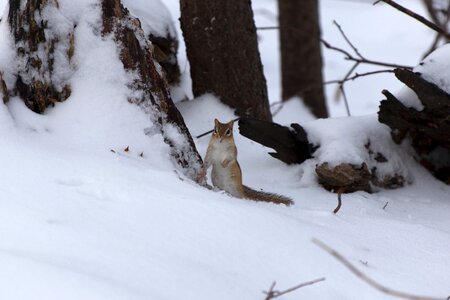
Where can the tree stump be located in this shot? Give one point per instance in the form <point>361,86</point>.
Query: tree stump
<point>41,84</point>
<point>38,83</point>
<point>428,129</point>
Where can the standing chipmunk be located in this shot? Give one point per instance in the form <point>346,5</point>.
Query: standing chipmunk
<point>226,173</point>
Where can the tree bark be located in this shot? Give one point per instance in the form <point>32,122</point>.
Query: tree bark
<point>154,93</point>
<point>429,129</point>
<point>291,144</point>
<point>36,83</point>
<point>301,58</point>
<point>40,85</point>
<point>222,49</point>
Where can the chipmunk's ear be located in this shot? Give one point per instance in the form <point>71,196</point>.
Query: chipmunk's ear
<point>216,122</point>
<point>230,124</point>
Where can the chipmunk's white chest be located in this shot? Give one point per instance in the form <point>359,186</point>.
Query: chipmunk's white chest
<point>222,177</point>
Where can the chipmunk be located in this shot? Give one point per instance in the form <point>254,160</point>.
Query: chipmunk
<point>226,173</point>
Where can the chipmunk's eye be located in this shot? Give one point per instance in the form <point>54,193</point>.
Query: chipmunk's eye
<point>228,132</point>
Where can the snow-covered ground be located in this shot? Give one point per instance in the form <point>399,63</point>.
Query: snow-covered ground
<point>78,221</point>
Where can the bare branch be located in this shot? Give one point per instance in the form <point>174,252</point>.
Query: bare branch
<point>368,280</point>
<point>432,12</point>
<point>338,207</point>
<point>271,294</point>
<point>347,39</point>
<point>357,75</point>
<point>416,16</point>
<point>441,17</point>
<point>349,56</point>
<point>268,28</point>
<point>358,59</point>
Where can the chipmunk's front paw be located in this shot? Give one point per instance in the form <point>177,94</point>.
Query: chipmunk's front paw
<point>225,163</point>
<point>201,178</point>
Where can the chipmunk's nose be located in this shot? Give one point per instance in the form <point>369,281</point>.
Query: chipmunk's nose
<point>220,140</point>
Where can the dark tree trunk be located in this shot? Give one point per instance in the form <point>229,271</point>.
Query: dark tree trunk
<point>301,58</point>
<point>222,49</point>
<point>37,85</point>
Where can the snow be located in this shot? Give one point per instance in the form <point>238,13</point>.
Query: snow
<point>154,16</point>
<point>435,66</point>
<point>79,221</point>
<point>6,52</point>
<point>348,140</point>
<point>409,98</point>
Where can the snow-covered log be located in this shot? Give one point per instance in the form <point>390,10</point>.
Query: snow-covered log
<point>290,144</point>
<point>428,127</point>
<point>348,154</point>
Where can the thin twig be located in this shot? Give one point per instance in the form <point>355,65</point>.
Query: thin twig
<point>441,22</point>
<point>416,16</point>
<point>349,56</point>
<point>271,294</point>
<point>357,75</point>
<point>358,59</point>
<point>339,193</point>
<point>268,28</point>
<point>342,90</point>
<point>347,39</point>
<point>344,95</point>
<point>208,132</point>
<point>368,280</point>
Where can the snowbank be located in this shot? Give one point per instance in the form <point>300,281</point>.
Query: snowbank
<point>79,221</point>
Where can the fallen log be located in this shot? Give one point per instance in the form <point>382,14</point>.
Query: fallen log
<point>428,129</point>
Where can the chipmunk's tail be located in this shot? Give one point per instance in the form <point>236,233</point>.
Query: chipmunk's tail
<point>251,194</point>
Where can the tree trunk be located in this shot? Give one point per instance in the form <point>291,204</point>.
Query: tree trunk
<point>222,49</point>
<point>301,58</point>
<point>40,85</point>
